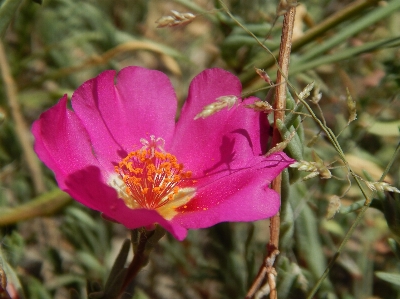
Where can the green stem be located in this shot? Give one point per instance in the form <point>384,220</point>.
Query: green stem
<point>366,205</point>
<point>43,205</point>
<point>143,241</point>
<point>140,258</point>
<point>335,257</point>
<point>347,13</point>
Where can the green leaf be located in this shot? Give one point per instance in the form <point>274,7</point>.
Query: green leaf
<point>36,289</point>
<point>115,285</point>
<point>389,277</point>
<point>301,65</point>
<point>7,11</point>
<point>309,244</point>
<point>90,261</point>
<point>139,294</point>
<point>395,246</point>
<point>64,280</point>
<point>11,273</point>
<point>287,215</point>
<point>294,148</point>
<point>390,128</point>
<point>119,264</point>
<point>356,26</point>
<point>391,210</point>
<point>288,276</point>
<point>94,289</point>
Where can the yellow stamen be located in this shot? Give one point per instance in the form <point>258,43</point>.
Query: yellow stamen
<point>151,177</point>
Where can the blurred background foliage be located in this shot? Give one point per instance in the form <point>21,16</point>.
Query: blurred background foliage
<point>51,245</point>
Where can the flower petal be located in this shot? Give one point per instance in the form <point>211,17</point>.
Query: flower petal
<point>227,140</point>
<point>140,104</point>
<point>224,152</point>
<point>87,187</point>
<point>62,142</point>
<point>241,196</point>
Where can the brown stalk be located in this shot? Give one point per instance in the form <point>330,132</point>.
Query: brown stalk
<point>267,268</point>
<point>21,128</point>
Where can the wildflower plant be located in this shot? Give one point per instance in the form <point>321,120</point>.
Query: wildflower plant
<point>179,124</point>
<point>120,151</point>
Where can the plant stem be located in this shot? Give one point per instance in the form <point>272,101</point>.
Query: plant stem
<point>45,204</point>
<point>21,128</point>
<point>360,215</point>
<point>279,114</point>
<point>140,258</point>
<point>280,106</point>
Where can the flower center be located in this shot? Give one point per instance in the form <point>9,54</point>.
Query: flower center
<point>151,175</point>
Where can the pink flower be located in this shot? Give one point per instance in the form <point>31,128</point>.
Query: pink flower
<point>121,152</point>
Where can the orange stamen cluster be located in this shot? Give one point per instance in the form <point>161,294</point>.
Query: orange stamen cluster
<point>151,177</point>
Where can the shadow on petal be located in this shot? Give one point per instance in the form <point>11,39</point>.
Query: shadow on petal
<point>88,187</point>
<point>228,153</point>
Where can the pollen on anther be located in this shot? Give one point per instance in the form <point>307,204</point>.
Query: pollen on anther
<point>151,175</point>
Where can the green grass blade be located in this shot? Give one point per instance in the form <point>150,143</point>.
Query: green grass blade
<point>7,11</point>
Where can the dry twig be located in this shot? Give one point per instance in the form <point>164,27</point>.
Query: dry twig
<point>21,127</point>
<point>280,106</point>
